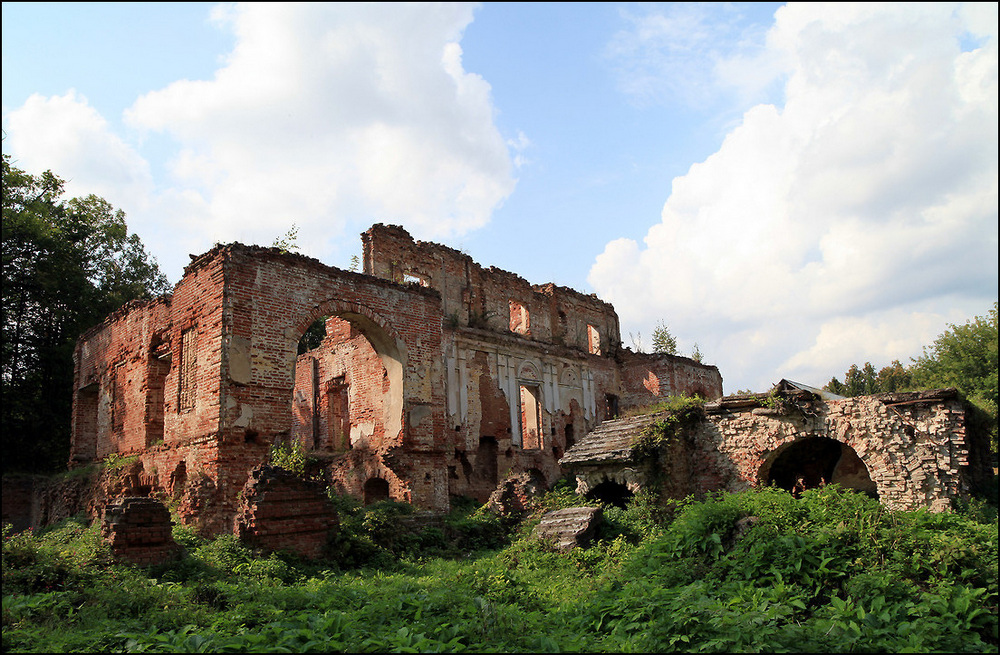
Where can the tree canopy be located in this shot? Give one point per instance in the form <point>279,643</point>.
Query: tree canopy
<point>67,264</point>
<point>963,356</point>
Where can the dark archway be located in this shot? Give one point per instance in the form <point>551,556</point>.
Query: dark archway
<point>376,489</point>
<point>814,462</point>
<point>611,493</point>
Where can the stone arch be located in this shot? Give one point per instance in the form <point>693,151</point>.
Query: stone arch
<point>814,461</point>
<point>384,340</point>
<point>611,492</point>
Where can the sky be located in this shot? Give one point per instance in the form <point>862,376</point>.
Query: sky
<point>790,189</point>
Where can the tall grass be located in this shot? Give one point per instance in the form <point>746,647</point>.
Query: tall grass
<point>831,572</point>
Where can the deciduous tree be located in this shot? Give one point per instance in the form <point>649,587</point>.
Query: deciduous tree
<point>66,265</point>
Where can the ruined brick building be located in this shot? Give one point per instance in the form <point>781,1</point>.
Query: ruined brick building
<point>428,376</point>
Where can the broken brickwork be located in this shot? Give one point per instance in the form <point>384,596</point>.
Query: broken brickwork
<point>434,377</point>
<point>909,450</point>
<point>138,530</point>
<point>569,528</point>
<point>280,511</point>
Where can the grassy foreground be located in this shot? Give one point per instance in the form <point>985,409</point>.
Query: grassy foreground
<point>830,572</point>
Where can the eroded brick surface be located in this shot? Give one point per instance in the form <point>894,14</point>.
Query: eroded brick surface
<point>437,377</point>
<point>139,531</point>
<point>909,450</point>
<point>280,511</point>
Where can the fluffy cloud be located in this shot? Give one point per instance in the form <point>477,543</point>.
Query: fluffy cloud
<point>68,136</point>
<point>326,116</point>
<point>867,200</point>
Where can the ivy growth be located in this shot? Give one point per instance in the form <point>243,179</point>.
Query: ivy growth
<point>680,411</point>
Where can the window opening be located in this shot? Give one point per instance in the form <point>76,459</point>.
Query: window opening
<point>158,369</point>
<point>531,417</point>
<point>338,414</point>
<point>118,386</point>
<point>610,406</point>
<point>520,322</point>
<point>410,277</point>
<point>593,340</point>
<point>87,404</point>
<point>186,381</point>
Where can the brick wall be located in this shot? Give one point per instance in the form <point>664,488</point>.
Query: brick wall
<point>651,378</point>
<point>138,530</point>
<point>910,450</point>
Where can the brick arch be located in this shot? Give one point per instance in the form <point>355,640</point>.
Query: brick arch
<point>874,462</point>
<point>528,371</point>
<point>386,342</point>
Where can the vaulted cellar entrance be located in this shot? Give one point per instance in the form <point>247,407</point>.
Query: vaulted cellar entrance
<point>813,462</point>
<point>611,493</point>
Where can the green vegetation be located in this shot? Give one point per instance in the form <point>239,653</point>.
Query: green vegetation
<point>964,357</point>
<point>663,341</point>
<point>831,572</point>
<point>67,264</point>
<point>681,411</point>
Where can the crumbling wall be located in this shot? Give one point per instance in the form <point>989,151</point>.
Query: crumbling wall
<point>138,530</point>
<point>491,299</point>
<point>280,511</point>
<point>651,378</point>
<point>514,406</point>
<point>118,383</point>
<point>913,446</point>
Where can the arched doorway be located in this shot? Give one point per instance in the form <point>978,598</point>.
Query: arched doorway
<point>611,493</point>
<point>814,462</point>
<point>348,383</point>
<point>376,489</point>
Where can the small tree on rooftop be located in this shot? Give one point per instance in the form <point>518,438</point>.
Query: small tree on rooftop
<point>663,341</point>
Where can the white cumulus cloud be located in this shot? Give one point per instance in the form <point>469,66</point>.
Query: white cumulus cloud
<point>328,116</point>
<point>335,115</point>
<point>68,136</point>
<point>824,227</point>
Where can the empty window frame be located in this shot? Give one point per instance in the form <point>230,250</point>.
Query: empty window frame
<point>531,417</point>
<point>412,277</point>
<point>520,321</point>
<point>593,340</point>
<point>186,374</point>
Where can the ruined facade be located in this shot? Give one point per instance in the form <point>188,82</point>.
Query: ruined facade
<point>425,377</point>
<point>909,450</point>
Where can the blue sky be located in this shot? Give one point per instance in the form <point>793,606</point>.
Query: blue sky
<point>792,188</point>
